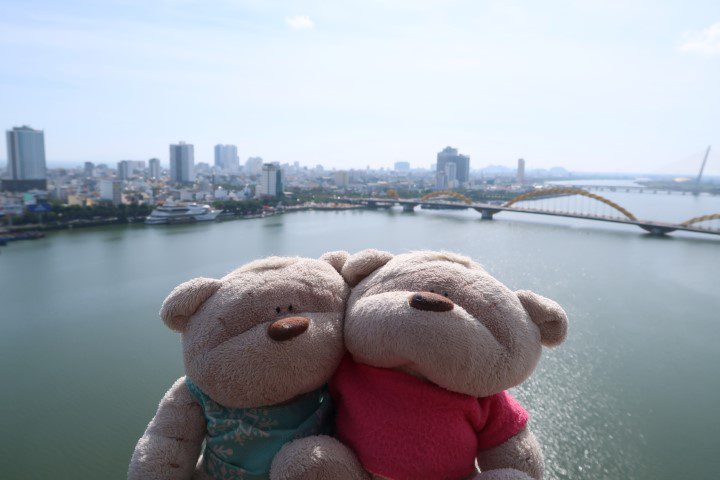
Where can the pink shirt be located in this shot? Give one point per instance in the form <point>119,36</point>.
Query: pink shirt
<point>402,427</point>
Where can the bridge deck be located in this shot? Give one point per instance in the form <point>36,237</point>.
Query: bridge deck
<point>648,225</point>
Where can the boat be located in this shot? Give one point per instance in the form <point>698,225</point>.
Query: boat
<point>182,213</point>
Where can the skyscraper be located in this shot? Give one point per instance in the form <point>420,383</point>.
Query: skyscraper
<point>270,184</point>
<point>89,170</point>
<point>253,166</point>
<point>26,159</point>
<point>452,170</point>
<point>226,158</point>
<point>521,171</point>
<point>154,167</point>
<point>123,169</point>
<point>182,163</point>
<point>128,169</point>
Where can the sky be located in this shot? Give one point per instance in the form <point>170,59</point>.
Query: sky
<point>593,85</point>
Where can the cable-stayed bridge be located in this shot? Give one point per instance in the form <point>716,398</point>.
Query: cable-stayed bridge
<point>559,202</point>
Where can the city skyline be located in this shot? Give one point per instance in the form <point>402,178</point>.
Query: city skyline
<point>499,81</point>
<point>226,159</point>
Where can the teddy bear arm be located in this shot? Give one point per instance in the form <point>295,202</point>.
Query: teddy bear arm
<point>521,452</point>
<point>171,444</point>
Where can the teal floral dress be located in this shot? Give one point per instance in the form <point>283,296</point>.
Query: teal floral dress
<point>242,442</point>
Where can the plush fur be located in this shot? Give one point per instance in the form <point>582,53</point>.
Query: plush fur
<point>229,354</point>
<point>488,340</point>
<point>316,458</point>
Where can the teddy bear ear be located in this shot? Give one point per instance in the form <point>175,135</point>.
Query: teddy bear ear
<point>185,299</point>
<point>547,315</point>
<point>336,259</point>
<point>363,263</point>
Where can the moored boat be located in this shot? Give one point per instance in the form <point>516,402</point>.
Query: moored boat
<point>182,213</point>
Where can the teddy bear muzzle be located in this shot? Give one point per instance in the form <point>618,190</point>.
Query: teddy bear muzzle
<point>288,328</point>
<point>430,302</point>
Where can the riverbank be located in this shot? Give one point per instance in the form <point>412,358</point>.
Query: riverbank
<point>34,231</point>
<point>9,236</point>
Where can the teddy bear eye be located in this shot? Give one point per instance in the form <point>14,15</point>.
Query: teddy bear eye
<point>445,294</point>
<point>277,309</point>
<point>290,308</point>
<point>432,291</point>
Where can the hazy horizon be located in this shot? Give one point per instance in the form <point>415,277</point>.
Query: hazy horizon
<point>708,175</point>
<point>591,87</point>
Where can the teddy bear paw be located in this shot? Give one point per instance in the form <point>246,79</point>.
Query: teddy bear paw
<point>503,474</point>
<point>316,458</point>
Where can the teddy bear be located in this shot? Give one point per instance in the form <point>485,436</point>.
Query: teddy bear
<point>433,343</point>
<point>259,346</point>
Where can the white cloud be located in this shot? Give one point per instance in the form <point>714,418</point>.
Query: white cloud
<point>704,42</point>
<point>299,22</point>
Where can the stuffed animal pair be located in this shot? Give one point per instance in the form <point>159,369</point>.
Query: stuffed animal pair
<point>418,350</point>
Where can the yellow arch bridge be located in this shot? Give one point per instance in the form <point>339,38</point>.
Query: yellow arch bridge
<point>556,201</point>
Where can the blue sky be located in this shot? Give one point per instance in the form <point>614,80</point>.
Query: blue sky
<point>589,85</point>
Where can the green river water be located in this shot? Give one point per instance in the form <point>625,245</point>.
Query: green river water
<point>84,358</point>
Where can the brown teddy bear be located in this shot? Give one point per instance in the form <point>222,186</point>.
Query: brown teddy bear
<point>434,342</point>
<point>259,346</point>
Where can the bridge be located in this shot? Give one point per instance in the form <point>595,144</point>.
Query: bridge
<point>559,202</point>
<point>633,189</point>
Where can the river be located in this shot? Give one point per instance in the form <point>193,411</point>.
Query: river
<point>84,358</point>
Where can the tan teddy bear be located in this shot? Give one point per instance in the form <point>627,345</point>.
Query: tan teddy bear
<point>259,346</point>
<point>434,342</point>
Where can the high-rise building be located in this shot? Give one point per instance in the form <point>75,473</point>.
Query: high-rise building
<point>521,171</point>
<point>154,168</point>
<point>89,170</point>
<point>182,163</point>
<point>26,159</point>
<point>226,158</point>
<point>402,166</point>
<point>270,184</point>
<point>460,171</point>
<point>111,190</point>
<point>451,174</point>
<point>446,179</point>
<point>253,166</point>
<point>123,169</point>
<point>128,169</point>
<point>137,167</point>
<point>342,178</point>
<point>441,182</point>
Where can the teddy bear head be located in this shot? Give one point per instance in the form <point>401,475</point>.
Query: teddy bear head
<point>443,318</point>
<point>265,333</point>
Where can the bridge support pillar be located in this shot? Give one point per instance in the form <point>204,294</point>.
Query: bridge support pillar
<point>409,207</point>
<point>657,230</point>
<point>487,213</point>
<point>372,204</point>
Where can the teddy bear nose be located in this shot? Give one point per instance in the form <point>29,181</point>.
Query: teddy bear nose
<point>287,328</point>
<point>430,302</point>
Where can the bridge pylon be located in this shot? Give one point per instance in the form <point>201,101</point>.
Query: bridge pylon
<point>487,213</point>
<point>657,230</point>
